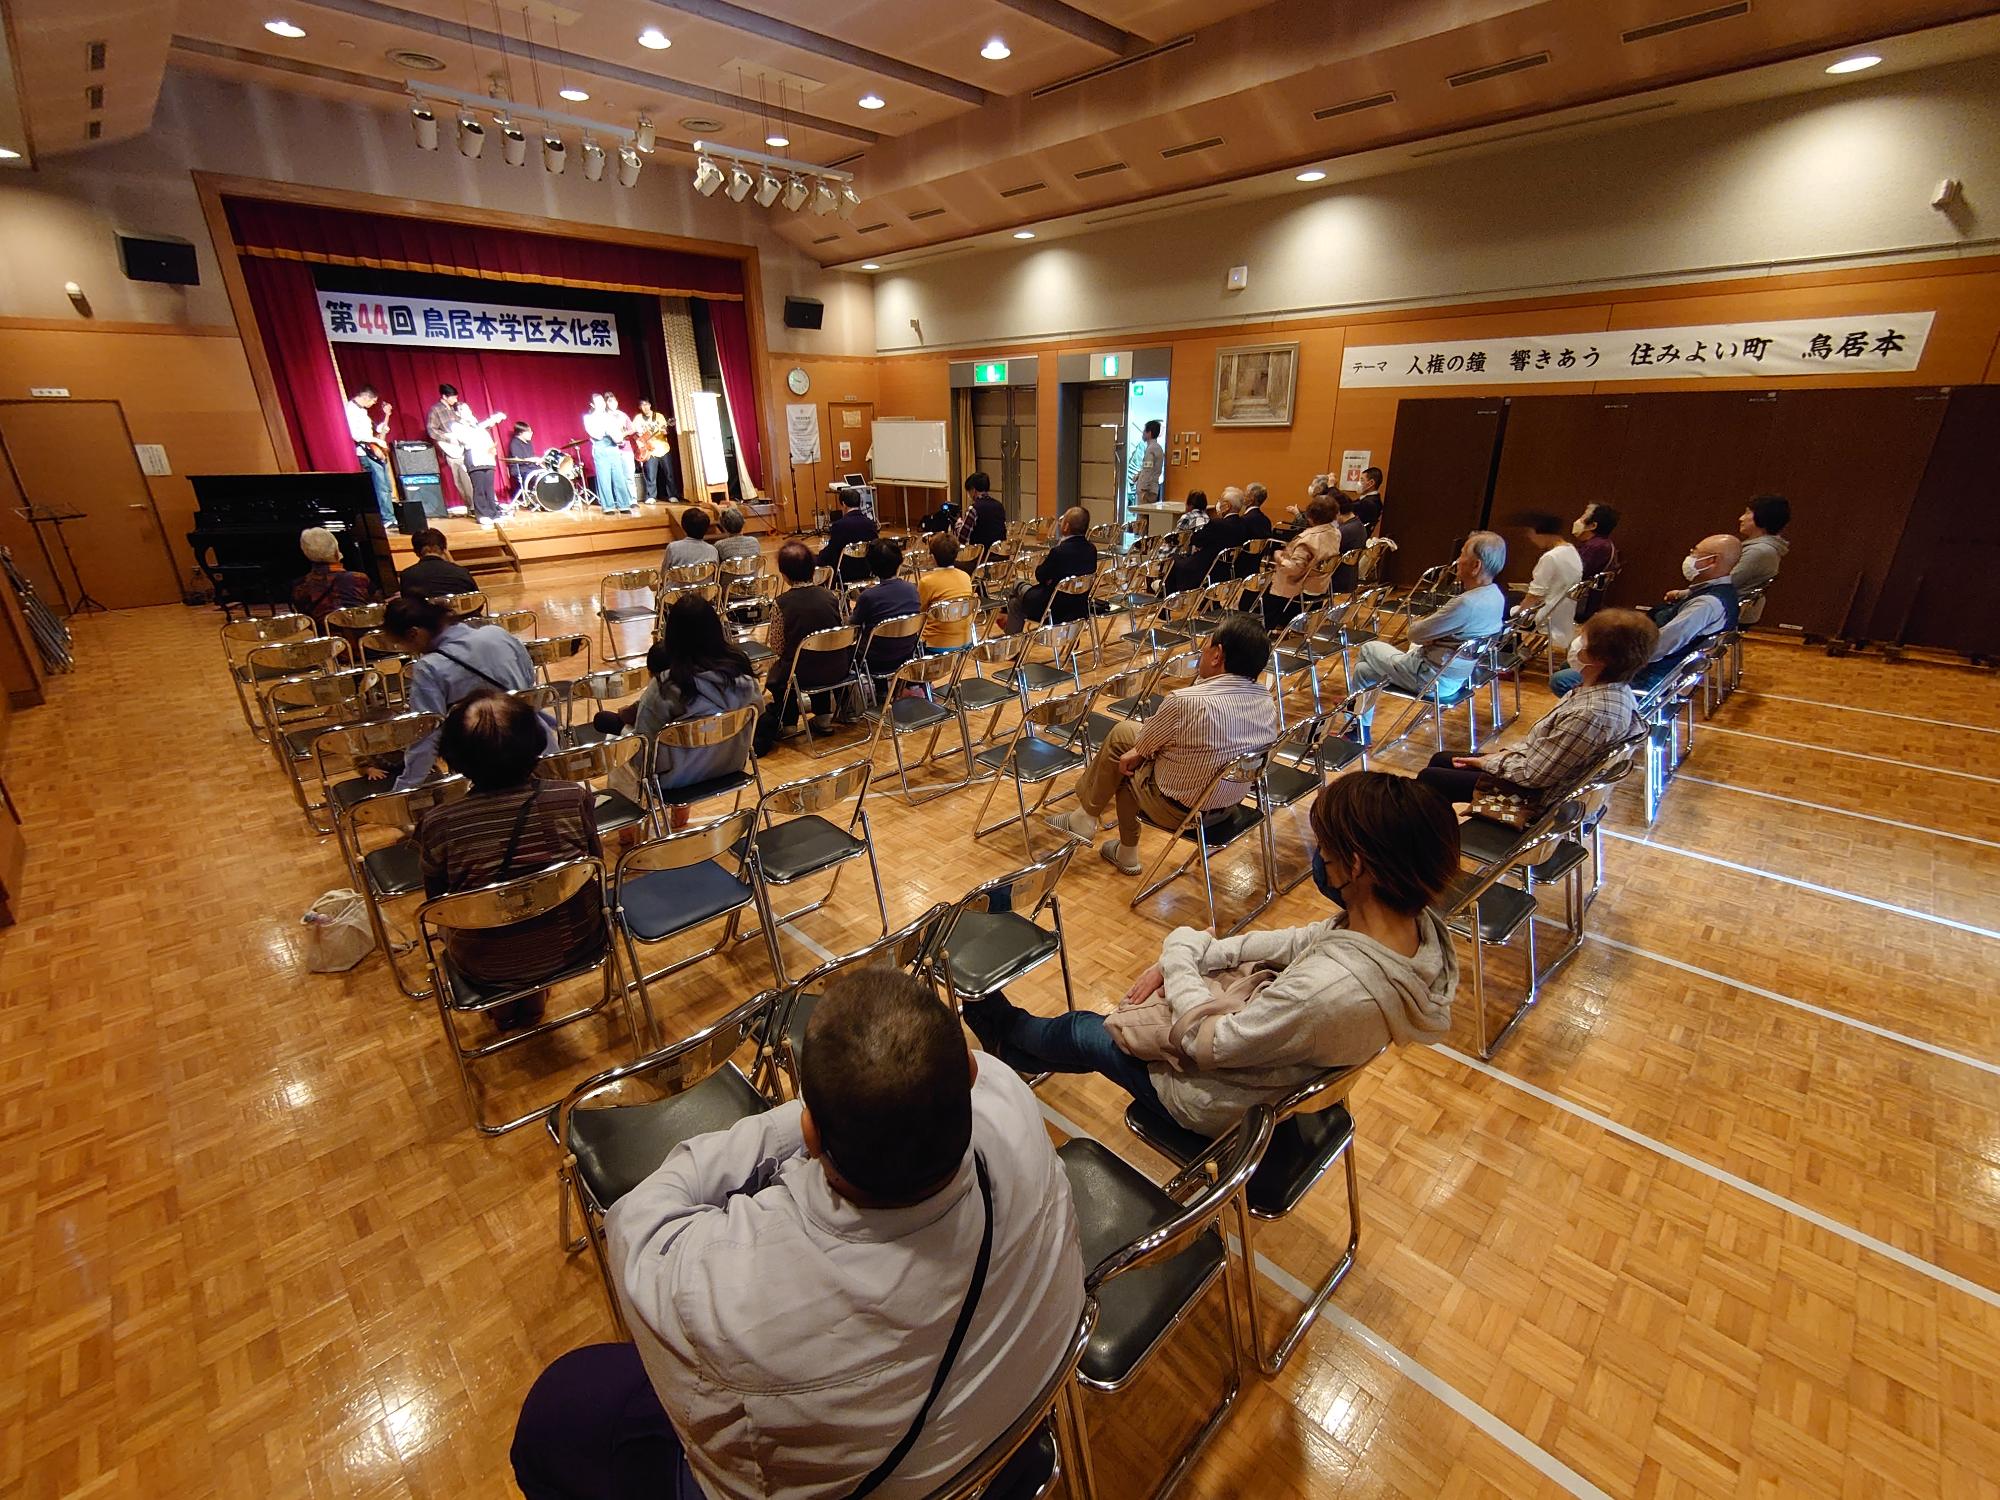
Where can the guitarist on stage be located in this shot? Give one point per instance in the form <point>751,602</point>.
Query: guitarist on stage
<point>371,446</point>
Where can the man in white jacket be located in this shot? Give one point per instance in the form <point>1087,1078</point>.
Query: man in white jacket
<point>792,1283</point>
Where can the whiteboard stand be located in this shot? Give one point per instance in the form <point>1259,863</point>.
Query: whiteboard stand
<point>906,485</point>
<point>910,453</point>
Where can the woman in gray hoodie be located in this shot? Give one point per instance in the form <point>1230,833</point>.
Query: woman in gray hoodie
<point>1381,970</point>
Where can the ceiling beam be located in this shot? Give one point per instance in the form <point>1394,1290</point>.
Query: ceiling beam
<point>576,62</point>
<point>1079,24</point>
<point>736,18</point>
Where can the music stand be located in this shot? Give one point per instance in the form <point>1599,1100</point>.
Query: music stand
<point>39,516</point>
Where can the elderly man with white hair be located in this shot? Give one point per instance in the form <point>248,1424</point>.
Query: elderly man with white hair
<point>1479,609</point>
<point>1700,612</point>
<point>1226,528</point>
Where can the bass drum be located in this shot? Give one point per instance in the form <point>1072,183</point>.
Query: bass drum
<point>553,492</point>
<point>558,461</point>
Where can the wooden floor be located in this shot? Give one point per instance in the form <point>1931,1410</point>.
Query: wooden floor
<point>1723,1218</point>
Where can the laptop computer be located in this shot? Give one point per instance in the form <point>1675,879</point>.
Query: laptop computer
<point>855,481</point>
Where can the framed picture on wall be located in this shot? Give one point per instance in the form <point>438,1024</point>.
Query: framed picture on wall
<point>1254,385</point>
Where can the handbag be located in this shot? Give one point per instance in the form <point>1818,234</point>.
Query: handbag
<point>337,932</point>
<point>1501,801</point>
<point>1149,1031</point>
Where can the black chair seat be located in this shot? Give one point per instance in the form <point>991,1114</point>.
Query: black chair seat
<point>342,795</point>
<point>976,693</point>
<point>1558,862</point>
<point>1286,785</point>
<point>990,949</point>
<point>463,992</point>
<point>757,651</point>
<point>1302,1147</point>
<point>1138,707</point>
<point>620,1146</point>
<point>1029,1472</point>
<point>910,713</point>
<point>1285,663</point>
<point>804,846</point>
<point>1030,759</point>
<point>299,742</point>
<point>1115,1205</point>
<point>1502,909</point>
<point>615,810</point>
<point>1227,826</point>
<point>660,903</point>
<point>1035,675</point>
<point>1485,841</point>
<point>700,791</point>
<point>621,612</point>
<point>393,870</point>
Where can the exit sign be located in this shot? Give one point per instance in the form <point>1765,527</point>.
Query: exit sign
<point>993,372</point>
<point>1111,366</point>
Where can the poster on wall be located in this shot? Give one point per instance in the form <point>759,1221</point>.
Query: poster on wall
<point>351,318</point>
<point>802,430</point>
<point>1352,463</point>
<point>847,453</point>
<point>1848,344</point>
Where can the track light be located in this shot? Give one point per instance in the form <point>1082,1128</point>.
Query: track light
<point>769,185</point>
<point>795,193</point>
<point>849,200</point>
<point>471,136</point>
<point>513,145</point>
<point>628,167</point>
<point>824,198</point>
<point>593,160</point>
<point>707,177</point>
<point>642,136</point>
<point>555,156</point>
<point>425,123</point>
<point>740,182</point>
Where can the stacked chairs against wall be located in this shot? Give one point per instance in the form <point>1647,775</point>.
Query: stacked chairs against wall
<point>1205,835</point>
<point>626,601</point>
<point>1044,747</point>
<point>240,638</point>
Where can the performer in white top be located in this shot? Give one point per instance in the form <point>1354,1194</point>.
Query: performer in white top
<point>371,446</point>
<point>479,453</point>
<point>609,455</point>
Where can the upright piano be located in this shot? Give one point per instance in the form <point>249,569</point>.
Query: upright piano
<point>247,526</point>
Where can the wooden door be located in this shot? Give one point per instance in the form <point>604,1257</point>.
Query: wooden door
<point>1023,437</point>
<point>77,456</point>
<point>1100,469</point>
<point>1440,467</point>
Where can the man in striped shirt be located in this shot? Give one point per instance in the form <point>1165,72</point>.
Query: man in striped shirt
<point>1162,767</point>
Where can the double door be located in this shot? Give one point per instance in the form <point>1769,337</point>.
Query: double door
<point>1003,443</point>
<point>1101,448</point>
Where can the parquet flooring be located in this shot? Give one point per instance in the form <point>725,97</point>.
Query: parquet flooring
<point>1681,1238</point>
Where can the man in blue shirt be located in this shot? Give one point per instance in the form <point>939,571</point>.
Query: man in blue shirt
<point>887,598</point>
<point>1479,609</point>
<point>456,658</point>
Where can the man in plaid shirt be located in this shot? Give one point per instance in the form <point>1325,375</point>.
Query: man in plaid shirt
<point>1611,646</point>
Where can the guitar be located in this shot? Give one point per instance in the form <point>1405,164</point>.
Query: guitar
<point>476,442</point>
<point>649,435</point>
<point>379,444</point>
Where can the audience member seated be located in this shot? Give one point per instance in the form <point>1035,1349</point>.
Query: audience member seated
<point>1305,565</point>
<point>455,659</point>
<point>887,597</point>
<point>1574,735</point>
<point>945,581</point>
<point>692,548</point>
<point>792,1283</point>
<point>1073,556</point>
<point>1255,522</point>
<point>1369,504</point>
<point>1479,609</point>
<point>1225,529</point>
<point>1159,767</point>
<point>733,544</point>
<point>1558,570</point>
<point>985,519</point>
<point>1696,615</point>
<point>803,607</point>
<point>327,585</point>
<point>1221,1024</point>
<point>852,525</point>
<point>1763,551</point>
<point>1195,514</point>
<point>697,672</point>
<point>1595,550</point>
<point>434,572</point>
<point>1353,537</point>
<point>510,824</point>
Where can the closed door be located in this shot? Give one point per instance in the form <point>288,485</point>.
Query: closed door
<point>76,456</point>
<point>848,422</point>
<point>1021,495</point>
<point>1100,476</point>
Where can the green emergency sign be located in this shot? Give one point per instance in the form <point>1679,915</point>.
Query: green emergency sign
<point>993,372</point>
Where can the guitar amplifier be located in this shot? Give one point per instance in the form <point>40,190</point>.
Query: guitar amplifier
<point>411,515</point>
<point>412,458</point>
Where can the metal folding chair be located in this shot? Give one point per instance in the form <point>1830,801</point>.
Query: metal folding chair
<point>632,611</point>
<point>989,938</point>
<point>704,732</point>
<point>1028,676</point>
<point>389,869</point>
<point>302,656</point>
<point>1209,834</point>
<point>614,770</point>
<point>831,658</point>
<point>918,699</point>
<point>1042,1446</point>
<point>809,843</point>
<point>1043,748</point>
<point>344,755</point>
<point>241,637</point>
<point>517,622</point>
<point>601,691</point>
<point>298,710</point>
<point>552,651</point>
<point>462,605</point>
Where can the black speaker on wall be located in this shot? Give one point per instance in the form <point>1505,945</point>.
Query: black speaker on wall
<point>171,261</point>
<point>804,312</point>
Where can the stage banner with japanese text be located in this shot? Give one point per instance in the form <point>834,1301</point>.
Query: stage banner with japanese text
<point>1862,344</point>
<point>355,318</point>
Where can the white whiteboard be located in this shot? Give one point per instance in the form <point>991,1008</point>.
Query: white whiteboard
<point>910,451</point>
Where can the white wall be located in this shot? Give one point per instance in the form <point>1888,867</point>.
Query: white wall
<point>57,223</point>
<point>1837,175</point>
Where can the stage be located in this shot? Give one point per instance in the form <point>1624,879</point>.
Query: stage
<point>540,536</point>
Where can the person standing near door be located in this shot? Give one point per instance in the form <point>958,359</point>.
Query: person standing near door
<point>370,432</point>
<point>438,425</point>
<point>1151,474</point>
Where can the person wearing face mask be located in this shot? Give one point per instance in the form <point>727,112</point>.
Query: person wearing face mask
<point>1479,609</point>
<point>1381,969</point>
<point>1572,736</point>
<point>1692,617</point>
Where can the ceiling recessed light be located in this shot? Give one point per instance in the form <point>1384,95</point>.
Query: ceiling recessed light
<point>655,38</point>
<point>776,141</point>
<point>8,154</point>
<point>1855,64</point>
<point>1024,234</point>
<point>872,101</point>
<point>996,51</point>
<point>869,265</point>
<point>1315,175</point>
<point>284,28</point>
<point>575,96</point>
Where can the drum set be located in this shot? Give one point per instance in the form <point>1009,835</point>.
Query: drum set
<point>554,483</point>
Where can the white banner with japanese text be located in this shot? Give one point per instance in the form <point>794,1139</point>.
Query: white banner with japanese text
<point>1857,344</point>
<point>352,318</point>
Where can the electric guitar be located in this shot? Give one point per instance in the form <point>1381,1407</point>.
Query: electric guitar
<point>379,444</point>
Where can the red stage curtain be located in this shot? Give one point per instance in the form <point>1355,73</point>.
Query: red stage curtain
<point>732,353</point>
<point>287,307</point>
<point>389,242</point>
<point>550,392</point>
